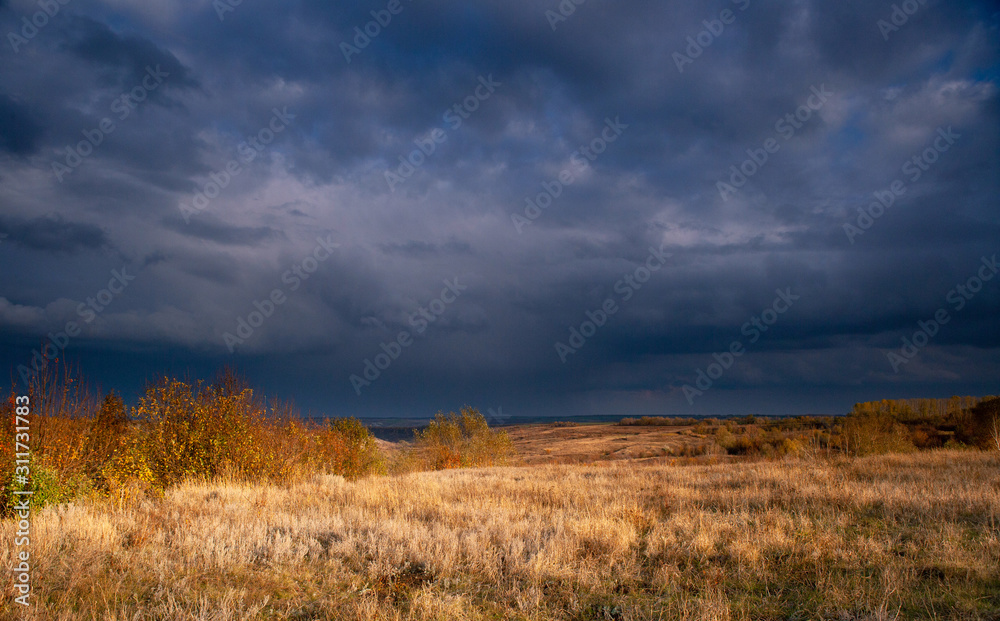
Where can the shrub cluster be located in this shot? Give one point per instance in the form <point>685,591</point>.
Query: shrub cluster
<point>461,440</point>
<point>178,430</point>
<point>920,410</point>
<point>874,427</point>
<point>83,444</point>
<point>982,425</point>
<point>753,440</point>
<point>905,424</point>
<point>875,433</point>
<point>658,421</point>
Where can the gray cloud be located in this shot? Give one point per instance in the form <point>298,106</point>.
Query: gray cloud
<point>53,234</point>
<point>19,131</point>
<point>654,186</point>
<point>222,234</point>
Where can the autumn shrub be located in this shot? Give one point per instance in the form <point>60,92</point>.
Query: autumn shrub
<point>934,411</point>
<point>104,436</point>
<point>50,486</point>
<point>926,436</point>
<point>462,440</point>
<point>981,427</point>
<point>743,445</point>
<point>871,433</point>
<point>724,437</point>
<point>83,445</point>
<point>127,473</point>
<point>59,407</point>
<point>733,444</point>
<point>352,450</point>
<point>7,455</point>
<point>657,421</point>
<point>441,443</point>
<point>694,450</point>
<point>175,436</point>
<point>191,430</point>
<point>789,447</point>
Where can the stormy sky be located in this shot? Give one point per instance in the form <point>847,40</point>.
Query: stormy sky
<point>391,208</point>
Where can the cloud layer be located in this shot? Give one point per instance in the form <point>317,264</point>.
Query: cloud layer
<point>440,140</point>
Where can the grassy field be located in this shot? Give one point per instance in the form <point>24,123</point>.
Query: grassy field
<point>568,443</point>
<point>879,537</point>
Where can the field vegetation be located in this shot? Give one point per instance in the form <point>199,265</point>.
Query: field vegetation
<point>878,537</point>
<point>87,445</point>
<point>207,501</point>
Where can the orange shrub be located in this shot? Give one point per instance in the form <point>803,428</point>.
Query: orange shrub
<point>462,440</point>
<point>195,431</point>
<point>871,433</point>
<point>177,430</point>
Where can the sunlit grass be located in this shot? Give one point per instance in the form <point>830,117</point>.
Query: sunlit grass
<point>880,537</point>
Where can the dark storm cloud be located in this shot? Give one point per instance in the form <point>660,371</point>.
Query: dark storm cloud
<point>19,131</point>
<point>655,186</point>
<point>222,234</point>
<point>417,249</point>
<point>123,59</point>
<point>53,234</point>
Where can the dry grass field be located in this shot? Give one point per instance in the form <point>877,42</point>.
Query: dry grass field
<point>581,443</point>
<point>586,443</point>
<point>879,537</point>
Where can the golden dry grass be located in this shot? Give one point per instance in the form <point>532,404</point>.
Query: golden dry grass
<point>579,443</point>
<point>882,537</point>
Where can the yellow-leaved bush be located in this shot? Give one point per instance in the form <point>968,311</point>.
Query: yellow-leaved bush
<point>462,440</point>
<point>177,430</point>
